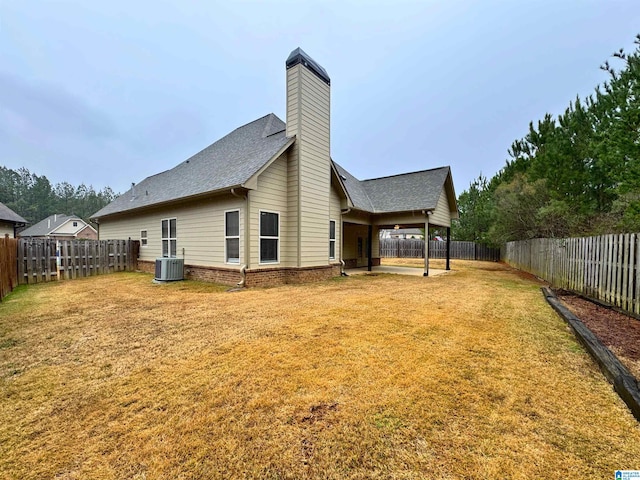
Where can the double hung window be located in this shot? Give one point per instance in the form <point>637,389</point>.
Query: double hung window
<point>232,236</point>
<point>169,237</point>
<point>332,239</point>
<point>269,237</point>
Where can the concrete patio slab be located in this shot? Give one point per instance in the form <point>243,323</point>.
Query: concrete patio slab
<point>417,272</point>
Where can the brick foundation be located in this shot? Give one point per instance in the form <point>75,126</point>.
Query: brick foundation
<point>268,277</point>
<point>263,277</point>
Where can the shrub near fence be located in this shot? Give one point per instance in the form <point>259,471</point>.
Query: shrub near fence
<point>606,268</point>
<point>8,262</point>
<point>414,248</point>
<point>38,258</point>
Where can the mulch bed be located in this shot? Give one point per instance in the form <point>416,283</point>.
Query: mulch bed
<point>619,332</point>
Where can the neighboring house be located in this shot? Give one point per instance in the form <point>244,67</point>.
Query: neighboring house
<point>9,221</point>
<point>61,227</point>
<point>267,201</point>
<point>403,233</point>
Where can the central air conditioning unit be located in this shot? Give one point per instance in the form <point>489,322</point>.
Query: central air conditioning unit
<point>169,269</point>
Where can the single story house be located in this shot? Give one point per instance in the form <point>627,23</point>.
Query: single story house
<point>61,227</point>
<point>9,221</point>
<point>266,204</point>
<point>403,233</point>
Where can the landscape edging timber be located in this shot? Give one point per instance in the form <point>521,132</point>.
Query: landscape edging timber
<point>625,384</point>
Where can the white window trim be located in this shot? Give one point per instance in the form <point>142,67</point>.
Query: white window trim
<point>260,237</point>
<point>335,235</point>
<point>168,220</point>
<point>146,237</point>
<point>227,237</point>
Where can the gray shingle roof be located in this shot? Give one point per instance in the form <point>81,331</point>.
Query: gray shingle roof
<point>355,190</point>
<point>46,226</point>
<point>235,158</point>
<point>9,215</point>
<point>408,191</point>
<point>397,193</point>
<point>227,163</point>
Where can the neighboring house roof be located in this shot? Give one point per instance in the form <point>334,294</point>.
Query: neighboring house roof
<point>49,225</point>
<point>9,215</point>
<point>407,231</point>
<point>238,157</point>
<point>230,162</point>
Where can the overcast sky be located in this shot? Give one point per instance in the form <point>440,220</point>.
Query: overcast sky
<point>108,93</point>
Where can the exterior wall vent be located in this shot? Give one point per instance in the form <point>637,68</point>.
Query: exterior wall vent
<point>169,269</point>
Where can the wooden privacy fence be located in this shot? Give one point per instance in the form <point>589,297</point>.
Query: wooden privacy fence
<point>8,262</point>
<point>43,260</point>
<point>414,248</point>
<point>605,268</point>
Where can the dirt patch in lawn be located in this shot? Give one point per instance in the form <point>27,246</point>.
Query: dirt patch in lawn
<point>619,332</point>
<point>468,375</point>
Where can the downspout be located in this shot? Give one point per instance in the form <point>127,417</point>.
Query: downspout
<point>342,264</point>
<point>247,247</point>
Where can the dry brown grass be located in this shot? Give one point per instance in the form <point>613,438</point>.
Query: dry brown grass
<point>466,375</point>
<point>411,262</point>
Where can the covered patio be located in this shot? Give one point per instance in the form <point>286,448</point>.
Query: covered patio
<point>424,200</point>
<point>361,241</point>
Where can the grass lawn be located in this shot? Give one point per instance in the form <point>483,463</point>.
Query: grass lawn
<point>464,375</point>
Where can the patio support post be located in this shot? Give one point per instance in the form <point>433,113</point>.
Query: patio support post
<point>369,247</point>
<point>426,246</point>
<point>448,247</point>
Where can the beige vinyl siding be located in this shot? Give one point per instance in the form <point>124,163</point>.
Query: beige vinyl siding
<point>355,216</point>
<point>406,219</point>
<point>271,196</point>
<point>6,228</point>
<point>200,230</point>
<point>308,117</point>
<point>293,101</point>
<point>291,230</point>
<point>67,227</point>
<point>335,214</point>
<point>441,216</point>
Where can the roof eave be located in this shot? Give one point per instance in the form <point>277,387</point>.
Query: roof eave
<point>189,198</point>
<point>252,182</point>
<point>337,176</point>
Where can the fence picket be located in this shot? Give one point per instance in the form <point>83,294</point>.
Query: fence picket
<point>637,277</point>
<point>630,272</point>
<point>606,267</point>
<point>414,248</point>
<point>36,259</point>
<point>625,271</point>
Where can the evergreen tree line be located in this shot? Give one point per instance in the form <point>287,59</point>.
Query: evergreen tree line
<point>34,198</point>
<point>574,175</point>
